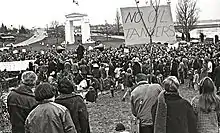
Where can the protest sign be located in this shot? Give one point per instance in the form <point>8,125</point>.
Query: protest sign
<point>135,32</point>
<point>15,65</point>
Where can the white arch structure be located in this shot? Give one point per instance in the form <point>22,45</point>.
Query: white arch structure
<point>69,27</point>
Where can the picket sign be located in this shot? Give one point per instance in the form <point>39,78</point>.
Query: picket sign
<point>135,32</point>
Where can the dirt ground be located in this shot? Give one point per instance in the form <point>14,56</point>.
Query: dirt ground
<point>107,112</point>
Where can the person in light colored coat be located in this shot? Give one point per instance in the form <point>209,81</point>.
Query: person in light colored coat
<point>143,97</point>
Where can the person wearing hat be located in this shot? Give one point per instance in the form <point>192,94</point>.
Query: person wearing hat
<point>21,101</point>
<point>206,106</point>
<point>75,104</point>
<point>48,116</point>
<point>171,113</point>
<point>143,97</point>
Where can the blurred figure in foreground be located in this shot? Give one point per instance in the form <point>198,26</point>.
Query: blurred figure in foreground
<point>171,113</point>
<point>48,117</point>
<point>21,101</point>
<point>207,107</point>
<point>143,97</point>
<point>75,104</point>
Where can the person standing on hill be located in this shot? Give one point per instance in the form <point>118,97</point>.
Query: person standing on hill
<point>80,51</point>
<point>48,116</point>
<point>217,76</point>
<point>207,107</point>
<point>21,101</point>
<point>171,113</point>
<point>143,97</point>
<point>137,67</point>
<point>75,104</point>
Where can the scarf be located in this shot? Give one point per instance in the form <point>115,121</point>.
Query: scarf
<point>161,115</point>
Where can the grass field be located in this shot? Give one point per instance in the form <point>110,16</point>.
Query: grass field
<point>107,112</point>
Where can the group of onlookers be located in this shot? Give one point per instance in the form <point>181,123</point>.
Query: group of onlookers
<point>161,109</point>
<point>51,86</point>
<point>37,109</point>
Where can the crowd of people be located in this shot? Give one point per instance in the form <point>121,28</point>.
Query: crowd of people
<point>50,97</point>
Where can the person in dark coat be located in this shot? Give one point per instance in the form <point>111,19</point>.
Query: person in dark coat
<point>111,69</point>
<point>174,68</point>
<point>80,51</point>
<point>75,104</point>
<point>217,76</point>
<point>137,68</point>
<point>30,66</point>
<point>94,83</point>
<point>91,95</point>
<point>171,113</point>
<point>21,101</point>
<point>52,66</point>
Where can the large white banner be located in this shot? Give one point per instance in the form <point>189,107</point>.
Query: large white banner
<point>15,65</point>
<point>134,30</point>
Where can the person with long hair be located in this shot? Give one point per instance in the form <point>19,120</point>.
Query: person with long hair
<point>206,106</point>
<point>171,113</point>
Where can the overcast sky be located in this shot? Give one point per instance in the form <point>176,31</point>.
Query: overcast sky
<point>38,13</point>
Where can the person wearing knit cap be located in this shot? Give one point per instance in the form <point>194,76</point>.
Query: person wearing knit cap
<point>21,101</point>
<point>207,107</point>
<point>143,97</point>
<point>171,113</point>
<point>75,104</point>
<point>48,116</point>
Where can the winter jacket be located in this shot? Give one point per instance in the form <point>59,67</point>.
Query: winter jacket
<point>143,97</point>
<point>136,68</point>
<point>180,117</point>
<point>20,103</point>
<point>78,111</point>
<point>49,117</point>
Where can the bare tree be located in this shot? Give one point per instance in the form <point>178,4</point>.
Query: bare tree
<point>55,26</point>
<point>187,16</point>
<point>150,31</point>
<point>118,23</point>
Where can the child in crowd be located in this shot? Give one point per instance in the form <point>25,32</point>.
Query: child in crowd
<point>120,128</point>
<point>196,80</point>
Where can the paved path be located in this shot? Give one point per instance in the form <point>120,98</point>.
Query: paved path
<point>39,35</point>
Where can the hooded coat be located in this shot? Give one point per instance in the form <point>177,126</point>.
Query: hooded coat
<point>78,111</point>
